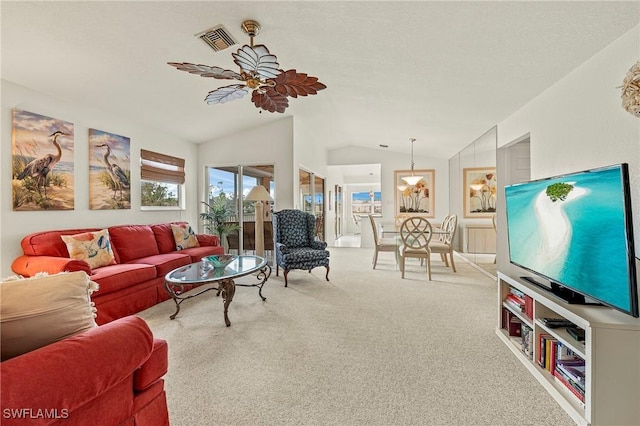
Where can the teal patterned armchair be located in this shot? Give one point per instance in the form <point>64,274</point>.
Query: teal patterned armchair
<point>295,244</point>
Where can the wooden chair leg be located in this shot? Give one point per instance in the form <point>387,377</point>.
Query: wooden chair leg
<point>453,265</point>
<point>285,273</point>
<point>429,267</point>
<point>375,258</point>
<point>402,265</point>
<point>327,275</point>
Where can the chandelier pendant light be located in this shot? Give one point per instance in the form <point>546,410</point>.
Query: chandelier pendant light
<point>261,75</point>
<point>413,179</point>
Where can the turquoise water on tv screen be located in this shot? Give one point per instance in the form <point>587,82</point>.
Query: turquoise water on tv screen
<point>579,242</point>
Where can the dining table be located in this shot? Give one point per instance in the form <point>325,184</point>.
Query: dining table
<point>393,229</point>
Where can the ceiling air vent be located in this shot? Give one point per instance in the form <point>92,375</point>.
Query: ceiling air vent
<point>218,38</point>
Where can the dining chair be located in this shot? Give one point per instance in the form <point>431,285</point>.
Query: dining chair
<point>444,221</point>
<point>401,217</point>
<point>415,233</point>
<point>438,230</point>
<point>381,244</point>
<point>444,244</point>
<point>356,222</point>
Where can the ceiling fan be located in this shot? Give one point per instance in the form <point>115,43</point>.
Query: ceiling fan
<point>260,74</point>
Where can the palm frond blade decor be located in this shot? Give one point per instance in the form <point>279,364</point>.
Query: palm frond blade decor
<point>270,100</point>
<point>226,94</point>
<point>206,70</point>
<point>260,74</point>
<point>294,84</point>
<point>257,60</point>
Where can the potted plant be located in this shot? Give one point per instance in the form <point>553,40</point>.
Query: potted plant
<point>216,217</point>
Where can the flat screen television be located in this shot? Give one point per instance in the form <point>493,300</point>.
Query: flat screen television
<point>576,231</point>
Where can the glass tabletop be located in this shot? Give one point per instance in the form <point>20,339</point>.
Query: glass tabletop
<point>392,228</point>
<point>203,271</point>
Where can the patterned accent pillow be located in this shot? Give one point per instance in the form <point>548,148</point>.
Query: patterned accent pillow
<point>92,247</point>
<point>184,236</point>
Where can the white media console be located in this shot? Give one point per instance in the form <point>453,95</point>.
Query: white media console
<point>611,351</point>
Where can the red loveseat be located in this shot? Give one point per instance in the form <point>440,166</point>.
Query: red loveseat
<point>144,254</point>
<point>108,375</point>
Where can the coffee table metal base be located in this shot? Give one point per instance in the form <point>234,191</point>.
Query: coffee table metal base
<point>225,287</point>
<point>175,282</point>
<point>262,276</point>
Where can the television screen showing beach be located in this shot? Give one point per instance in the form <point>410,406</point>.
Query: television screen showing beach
<point>572,230</point>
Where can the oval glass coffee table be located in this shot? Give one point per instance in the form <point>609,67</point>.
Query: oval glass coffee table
<point>222,280</point>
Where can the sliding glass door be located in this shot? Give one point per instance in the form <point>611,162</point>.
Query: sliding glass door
<point>227,188</point>
<point>311,194</point>
<point>318,205</point>
<point>338,211</point>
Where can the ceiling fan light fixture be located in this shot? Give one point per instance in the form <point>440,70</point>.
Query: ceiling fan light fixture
<point>413,179</point>
<point>269,85</point>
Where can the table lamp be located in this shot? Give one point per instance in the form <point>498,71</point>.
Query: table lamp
<point>259,194</point>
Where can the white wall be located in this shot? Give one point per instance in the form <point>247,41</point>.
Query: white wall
<point>268,144</point>
<point>479,153</point>
<point>310,155</point>
<point>15,225</point>
<point>391,161</point>
<point>579,123</point>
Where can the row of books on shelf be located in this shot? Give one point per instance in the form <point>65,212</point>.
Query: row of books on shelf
<point>520,301</point>
<point>559,360</point>
<point>565,365</point>
<point>521,332</point>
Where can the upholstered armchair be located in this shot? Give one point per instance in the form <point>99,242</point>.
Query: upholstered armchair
<point>295,243</point>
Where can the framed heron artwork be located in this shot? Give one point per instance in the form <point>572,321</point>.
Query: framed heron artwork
<point>109,171</point>
<point>41,162</point>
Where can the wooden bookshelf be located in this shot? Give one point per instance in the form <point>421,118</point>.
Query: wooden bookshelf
<point>611,351</point>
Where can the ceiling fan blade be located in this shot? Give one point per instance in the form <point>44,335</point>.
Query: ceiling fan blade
<point>206,70</point>
<point>226,94</point>
<point>294,84</point>
<point>257,59</point>
<point>270,100</point>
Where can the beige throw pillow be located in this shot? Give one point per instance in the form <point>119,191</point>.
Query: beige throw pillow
<point>92,247</point>
<point>184,236</point>
<point>35,312</point>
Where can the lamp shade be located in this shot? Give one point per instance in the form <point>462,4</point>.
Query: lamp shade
<point>258,193</point>
<point>412,180</point>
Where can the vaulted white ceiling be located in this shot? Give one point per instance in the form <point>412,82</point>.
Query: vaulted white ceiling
<point>442,72</point>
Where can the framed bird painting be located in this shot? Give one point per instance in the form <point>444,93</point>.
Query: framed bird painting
<point>41,162</point>
<point>109,171</point>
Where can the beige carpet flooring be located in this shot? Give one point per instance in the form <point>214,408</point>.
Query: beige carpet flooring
<point>366,348</point>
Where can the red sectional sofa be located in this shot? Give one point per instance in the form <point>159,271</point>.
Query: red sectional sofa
<point>108,375</point>
<point>144,254</point>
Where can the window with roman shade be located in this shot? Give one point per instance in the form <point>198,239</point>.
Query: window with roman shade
<point>162,179</point>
